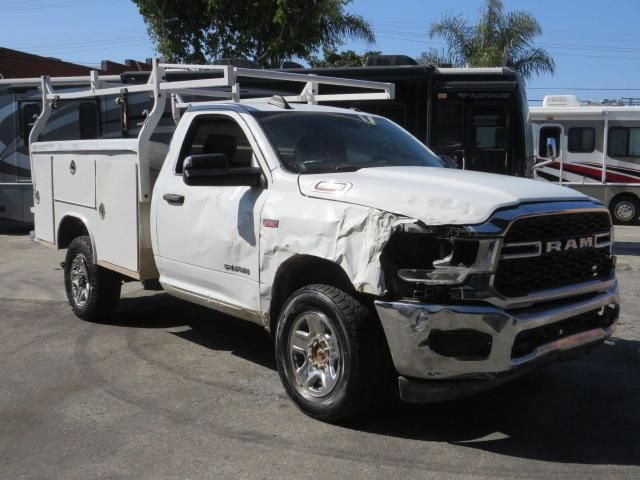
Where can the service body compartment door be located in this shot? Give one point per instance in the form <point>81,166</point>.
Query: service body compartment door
<point>75,179</point>
<point>43,197</point>
<point>116,225</point>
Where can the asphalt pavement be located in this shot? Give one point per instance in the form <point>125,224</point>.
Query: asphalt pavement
<point>170,390</point>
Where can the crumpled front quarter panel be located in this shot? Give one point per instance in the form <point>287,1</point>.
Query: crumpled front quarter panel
<point>352,236</point>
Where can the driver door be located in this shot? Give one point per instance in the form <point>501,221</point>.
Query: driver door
<point>208,236</point>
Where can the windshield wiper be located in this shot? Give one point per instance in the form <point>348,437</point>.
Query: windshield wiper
<point>334,169</point>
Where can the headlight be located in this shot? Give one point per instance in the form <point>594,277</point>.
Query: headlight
<point>464,256</point>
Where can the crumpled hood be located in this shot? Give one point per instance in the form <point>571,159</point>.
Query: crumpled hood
<point>436,196</point>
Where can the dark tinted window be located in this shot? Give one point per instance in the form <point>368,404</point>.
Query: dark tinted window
<point>449,124</point>
<point>29,115</point>
<point>488,128</point>
<point>217,135</point>
<point>309,142</point>
<point>88,120</point>
<point>582,140</point>
<point>624,142</point>
<point>545,134</point>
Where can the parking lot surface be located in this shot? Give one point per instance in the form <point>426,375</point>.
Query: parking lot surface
<point>170,390</point>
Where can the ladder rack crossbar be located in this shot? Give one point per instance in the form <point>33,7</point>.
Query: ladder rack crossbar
<point>231,77</point>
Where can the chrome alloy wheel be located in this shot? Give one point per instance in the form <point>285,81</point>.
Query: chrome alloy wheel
<point>625,211</point>
<point>80,285</point>
<point>315,357</point>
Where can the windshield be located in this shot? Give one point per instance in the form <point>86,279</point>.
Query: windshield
<point>313,142</point>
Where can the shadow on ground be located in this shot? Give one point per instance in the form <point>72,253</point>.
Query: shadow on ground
<point>207,328</point>
<point>584,411</point>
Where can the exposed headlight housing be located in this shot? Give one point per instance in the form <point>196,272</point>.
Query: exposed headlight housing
<point>464,255</point>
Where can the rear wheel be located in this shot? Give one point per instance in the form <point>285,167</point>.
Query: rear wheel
<point>625,210</point>
<point>93,292</point>
<point>330,357</point>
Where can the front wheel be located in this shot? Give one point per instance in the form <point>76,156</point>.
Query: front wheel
<point>93,292</point>
<point>625,210</point>
<point>330,357</point>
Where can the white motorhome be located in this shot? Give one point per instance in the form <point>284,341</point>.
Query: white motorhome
<point>592,148</point>
<point>336,230</point>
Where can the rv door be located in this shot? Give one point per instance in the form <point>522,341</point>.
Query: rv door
<point>471,133</point>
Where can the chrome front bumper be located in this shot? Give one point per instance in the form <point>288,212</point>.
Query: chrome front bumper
<point>407,327</point>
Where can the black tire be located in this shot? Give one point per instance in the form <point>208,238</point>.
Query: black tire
<point>625,209</point>
<point>364,373</point>
<point>100,299</point>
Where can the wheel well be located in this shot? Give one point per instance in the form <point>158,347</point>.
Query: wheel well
<point>630,195</point>
<point>70,228</point>
<point>303,270</point>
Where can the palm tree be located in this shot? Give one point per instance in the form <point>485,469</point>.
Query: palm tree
<point>497,39</point>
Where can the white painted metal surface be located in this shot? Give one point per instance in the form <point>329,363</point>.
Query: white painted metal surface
<point>43,197</point>
<point>74,179</point>
<point>436,196</point>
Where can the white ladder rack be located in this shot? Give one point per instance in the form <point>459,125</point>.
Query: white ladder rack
<point>215,88</point>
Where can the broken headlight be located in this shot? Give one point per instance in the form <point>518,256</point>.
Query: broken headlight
<point>442,256</point>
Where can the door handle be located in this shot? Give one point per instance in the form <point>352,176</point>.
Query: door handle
<point>173,199</point>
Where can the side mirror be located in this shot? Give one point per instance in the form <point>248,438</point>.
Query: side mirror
<point>213,170</point>
<point>552,148</point>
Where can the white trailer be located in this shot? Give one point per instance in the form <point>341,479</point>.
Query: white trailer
<point>594,149</point>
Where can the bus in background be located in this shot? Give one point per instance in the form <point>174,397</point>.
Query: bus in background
<point>473,118</point>
<point>593,148</point>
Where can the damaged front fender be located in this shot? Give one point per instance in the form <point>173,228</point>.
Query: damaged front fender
<point>351,236</point>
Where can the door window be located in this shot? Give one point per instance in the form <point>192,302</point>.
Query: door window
<point>488,125</point>
<point>582,140</point>
<point>545,134</point>
<point>217,135</point>
<point>449,124</point>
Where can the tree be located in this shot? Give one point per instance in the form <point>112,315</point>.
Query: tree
<point>346,58</point>
<point>266,31</point>
<point>497,39</point>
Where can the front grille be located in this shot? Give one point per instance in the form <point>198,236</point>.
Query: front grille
<point>553,227</point>
<point>526,342</point>
<point>518,277</point>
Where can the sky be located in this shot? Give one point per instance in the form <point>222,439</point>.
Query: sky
<point>595,43</point>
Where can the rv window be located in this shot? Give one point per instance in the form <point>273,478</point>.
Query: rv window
<point>88,120</point>
<point>582,140</point>
<point>545,134</point>
<point>30,112</point>
<point>449,124</point>
<point>488,128</point>
<point>624,142</point>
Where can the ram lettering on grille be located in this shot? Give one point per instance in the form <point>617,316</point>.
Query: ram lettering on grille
<point>545,252</point>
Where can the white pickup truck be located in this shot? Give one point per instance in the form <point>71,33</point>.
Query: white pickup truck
<point>337,231</point>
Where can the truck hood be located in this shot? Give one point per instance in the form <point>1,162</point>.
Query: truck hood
<point>436,196</point>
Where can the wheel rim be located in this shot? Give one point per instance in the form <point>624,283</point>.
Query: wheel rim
<point>315,357</point>
<point>625,211</point>
<point>80,285</point>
